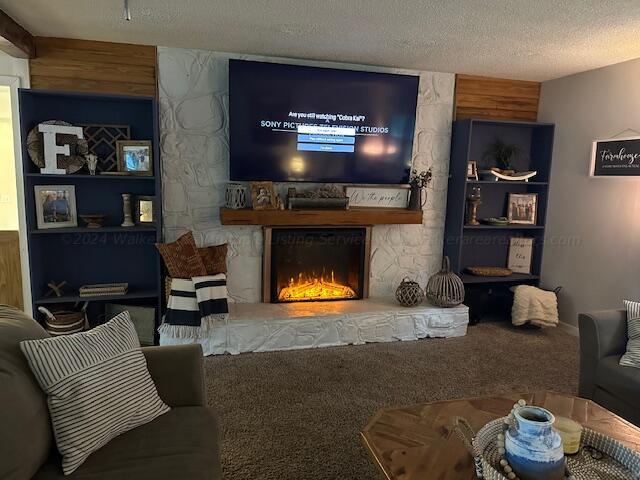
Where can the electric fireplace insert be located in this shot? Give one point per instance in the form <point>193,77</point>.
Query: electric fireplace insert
<point>315,264</point>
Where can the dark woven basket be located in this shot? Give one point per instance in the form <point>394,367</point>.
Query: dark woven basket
<point>64,322</point>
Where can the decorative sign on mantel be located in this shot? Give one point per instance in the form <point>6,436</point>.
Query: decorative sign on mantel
<point>616,157</point>
<point>378,196</point>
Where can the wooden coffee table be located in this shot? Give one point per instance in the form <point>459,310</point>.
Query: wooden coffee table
<point>418,442</point>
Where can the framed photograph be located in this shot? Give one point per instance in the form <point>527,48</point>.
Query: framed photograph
<point>134,157</point>
<point>377,196</point>
<point>615,157</point>
<point>144,210</point>
<point>263,196</point>
<point>520,254</point>
<point>522,208</point>
<point>472,170</point>
<point>56,206</point>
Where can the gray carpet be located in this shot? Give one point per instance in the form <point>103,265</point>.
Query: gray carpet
<point>296,415</point>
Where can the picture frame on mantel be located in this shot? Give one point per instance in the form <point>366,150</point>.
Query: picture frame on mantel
<point>617,157</point>
<point>377,196</point>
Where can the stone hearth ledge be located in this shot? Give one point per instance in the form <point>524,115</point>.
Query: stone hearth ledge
<point>264,327</point>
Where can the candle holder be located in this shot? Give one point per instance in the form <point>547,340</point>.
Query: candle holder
<point>473,203</point>
<point>126,210</point>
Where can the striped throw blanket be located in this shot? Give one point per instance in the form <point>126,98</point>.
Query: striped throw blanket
<point>195,306</point>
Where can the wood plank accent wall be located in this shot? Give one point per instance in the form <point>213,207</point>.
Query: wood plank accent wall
<point>89,66</point>
<point>496,98</point>
<point>10,269</point>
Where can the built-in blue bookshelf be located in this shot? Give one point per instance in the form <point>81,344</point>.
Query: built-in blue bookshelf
<point>80,255</point>
<point>488,245</point>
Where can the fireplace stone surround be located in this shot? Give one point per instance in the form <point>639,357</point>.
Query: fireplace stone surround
<point>193,104</point>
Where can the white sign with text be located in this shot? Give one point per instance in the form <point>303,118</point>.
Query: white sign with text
<point>378,197</point>
<point>520,253</point>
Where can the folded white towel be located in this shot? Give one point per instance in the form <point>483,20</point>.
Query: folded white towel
<point>535,306</point>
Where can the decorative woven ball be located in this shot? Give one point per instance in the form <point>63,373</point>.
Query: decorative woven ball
<point>445,288</point>
<point>409,293</point>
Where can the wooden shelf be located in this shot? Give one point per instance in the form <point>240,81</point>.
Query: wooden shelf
<point>353,216</point>
<point>505,182</point>
<point>86,176</point>
<point>504,227</point>
<point>513,278</point>
<point>108,229</point>
<point>134,295</point>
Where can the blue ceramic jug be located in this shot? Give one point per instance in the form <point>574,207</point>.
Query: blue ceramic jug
<point>533,447</point>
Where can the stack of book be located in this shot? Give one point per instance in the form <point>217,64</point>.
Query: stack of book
<point>103,289</point>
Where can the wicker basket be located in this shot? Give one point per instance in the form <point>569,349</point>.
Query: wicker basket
<point>445,288</point>
<point>617,463</point>
<point>489,271</point>
<point>64,322</point>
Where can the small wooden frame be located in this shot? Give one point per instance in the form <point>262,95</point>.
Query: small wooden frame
<point>472,170</point>
<point>135,157</point>
<point>522,208</point>
<point>55,206</point>
<point>263,196</point>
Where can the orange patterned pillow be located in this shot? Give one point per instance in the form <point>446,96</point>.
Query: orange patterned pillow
<point>214,258</point>
<point>181,257</point>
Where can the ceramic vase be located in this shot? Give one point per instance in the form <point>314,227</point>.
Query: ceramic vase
<point>533,448</point>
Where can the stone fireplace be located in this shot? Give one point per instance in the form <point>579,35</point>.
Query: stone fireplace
<point>308,264</point>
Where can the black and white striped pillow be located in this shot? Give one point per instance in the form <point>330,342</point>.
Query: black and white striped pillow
<point>97,385</point>
<point>632,357</point>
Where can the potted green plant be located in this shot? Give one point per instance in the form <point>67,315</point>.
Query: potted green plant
<point>502,153</point>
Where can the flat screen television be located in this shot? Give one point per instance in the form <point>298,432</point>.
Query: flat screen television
<point>309,124</point>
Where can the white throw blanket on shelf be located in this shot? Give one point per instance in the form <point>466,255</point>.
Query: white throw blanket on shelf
<point>535,306</point>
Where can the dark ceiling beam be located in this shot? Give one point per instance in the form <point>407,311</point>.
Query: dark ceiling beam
<point>14,39</point>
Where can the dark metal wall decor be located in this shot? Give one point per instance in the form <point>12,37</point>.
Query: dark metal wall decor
<point>102,143</point>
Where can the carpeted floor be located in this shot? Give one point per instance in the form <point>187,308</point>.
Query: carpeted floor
<point>297,415</point>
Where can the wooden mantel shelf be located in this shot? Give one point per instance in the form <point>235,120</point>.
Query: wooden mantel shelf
<point>353,216</point>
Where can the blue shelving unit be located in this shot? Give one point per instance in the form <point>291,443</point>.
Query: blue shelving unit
<point>80,255</point>
<point>487,245</point>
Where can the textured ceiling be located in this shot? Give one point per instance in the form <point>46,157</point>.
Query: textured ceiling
<point>526,39</point>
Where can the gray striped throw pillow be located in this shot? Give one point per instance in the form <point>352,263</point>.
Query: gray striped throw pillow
<point>632,357</point>
<point>97,385</point>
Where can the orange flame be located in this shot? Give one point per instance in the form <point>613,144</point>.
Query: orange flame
<point>312,287</point>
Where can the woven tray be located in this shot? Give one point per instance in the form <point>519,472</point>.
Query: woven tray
<point>489,271</point>
<point>600,457</point>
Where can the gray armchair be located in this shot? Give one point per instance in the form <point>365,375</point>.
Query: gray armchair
<point>603,340</point>
<point>181,444</point>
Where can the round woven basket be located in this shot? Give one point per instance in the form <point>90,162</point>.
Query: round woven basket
<point>64,322</point>
<point>409,293</point>
<point>445,288</point>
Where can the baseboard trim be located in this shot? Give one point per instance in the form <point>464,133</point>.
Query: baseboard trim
<point>570,329</point>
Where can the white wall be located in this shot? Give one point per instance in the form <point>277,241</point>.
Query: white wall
<point>195,154</point>
<point>10,69</point>
<point>600,266</point>
<point>15,67</point>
